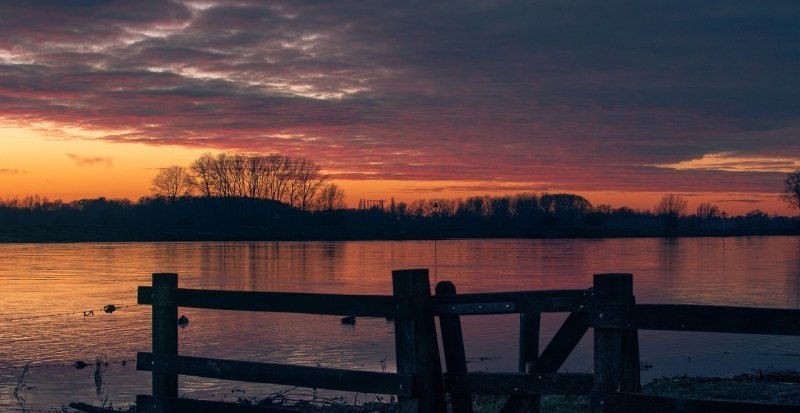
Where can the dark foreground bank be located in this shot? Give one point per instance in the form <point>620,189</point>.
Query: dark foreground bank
<point>241,219</point>
<point>776,387</point>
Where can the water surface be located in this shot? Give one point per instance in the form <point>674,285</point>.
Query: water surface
<point>45,287</point>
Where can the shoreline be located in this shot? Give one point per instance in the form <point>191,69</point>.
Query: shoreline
<point>773,387</point>
<point>146,235</point>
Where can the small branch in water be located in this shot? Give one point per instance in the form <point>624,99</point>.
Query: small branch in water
<point>99,364</point>
<point>21,385</point>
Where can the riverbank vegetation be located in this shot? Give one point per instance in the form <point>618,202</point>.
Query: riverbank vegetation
<point>273,197</point>
<point>774,387</point>
<point>193,218</point>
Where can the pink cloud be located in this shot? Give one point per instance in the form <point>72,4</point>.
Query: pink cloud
<point>577,98</point>
<point>84,161</point>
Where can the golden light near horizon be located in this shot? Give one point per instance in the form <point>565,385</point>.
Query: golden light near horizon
<point>404,191</point>
<point>95,97</point>
<point>336,149</point>
<point>731,162</point>
<point>73,165</point>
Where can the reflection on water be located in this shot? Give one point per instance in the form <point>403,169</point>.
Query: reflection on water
<point>42,282</point>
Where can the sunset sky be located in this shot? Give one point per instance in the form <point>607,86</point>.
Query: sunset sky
<point>619,101</point>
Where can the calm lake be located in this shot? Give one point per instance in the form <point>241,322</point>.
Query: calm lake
<point>45,287</point>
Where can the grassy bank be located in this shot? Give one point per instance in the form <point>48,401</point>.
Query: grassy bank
<point>774,387</point>
<point>779,387</point>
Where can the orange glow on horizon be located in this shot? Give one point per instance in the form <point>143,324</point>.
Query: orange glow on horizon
<point>75,168</point>
<point>33,163</point>
<point>408,191</point>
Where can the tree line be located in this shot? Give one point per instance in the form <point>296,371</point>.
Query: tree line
<point>34,219</point>
<point>231,202</point>
<point>297,182</point>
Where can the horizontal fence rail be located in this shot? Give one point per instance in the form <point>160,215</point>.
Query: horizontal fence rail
<point>609,308</point>
<point>702,318</point>
<point>418,383</point>
<point>513,302</point>
<point>290,375</point>
<point>277,302</point>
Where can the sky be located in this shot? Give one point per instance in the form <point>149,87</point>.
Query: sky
<point>619,101</point>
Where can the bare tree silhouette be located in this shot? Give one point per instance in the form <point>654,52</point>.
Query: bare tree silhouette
<point>707,211</point>
<point>202,168</point>
<point>294,181</point>
<point>671,208</point>
<point>331,197</point>
<point>670,204</point>
<point>791,189</point>
<point>307,181</point>
<point>173,182</point>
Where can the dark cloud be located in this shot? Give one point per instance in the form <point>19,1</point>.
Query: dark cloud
<point>578,94</point>
<point>83,161</point>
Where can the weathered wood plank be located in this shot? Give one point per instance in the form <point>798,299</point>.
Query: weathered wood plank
<point>705,318</point>
<point>529,324</point>
<point>302,303</point>
<point>563,343</point>
<point>630,380</point>
<point>165,332</point>
<point>514,302</point>
<point>519,383</point>
<point>482,308</point>
<point>619,402</point>
<point>144,403</point>
<point>609,289</point>
<point>453,345</point>
<point>417,346</point>
<point>255,372</point>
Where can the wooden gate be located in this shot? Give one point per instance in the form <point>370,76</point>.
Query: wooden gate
<point>609,307</point>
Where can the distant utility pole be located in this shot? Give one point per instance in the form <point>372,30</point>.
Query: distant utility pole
<point>435,235</point>
<point>723,223</point>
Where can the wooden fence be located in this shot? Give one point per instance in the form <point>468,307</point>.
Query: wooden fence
<point>609,307</point>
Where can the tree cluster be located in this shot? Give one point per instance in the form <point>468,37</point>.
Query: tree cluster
<point>561,208</point>
<point>240,200</point>
<point>34,219</point>
<point>671,205</point>
<point>296,182</point>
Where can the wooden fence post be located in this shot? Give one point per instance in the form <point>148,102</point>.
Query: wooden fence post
<point>453,341</point>
<point>529,324</point>
<point>416,343</point>
<point>609,289</point>
<point>528,341</point>
<point>165,335</point>
<point>631,380</point>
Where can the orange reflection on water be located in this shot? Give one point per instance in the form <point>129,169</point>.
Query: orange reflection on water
<point>42,282</point>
